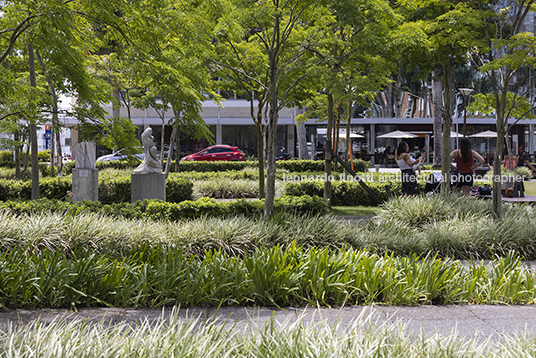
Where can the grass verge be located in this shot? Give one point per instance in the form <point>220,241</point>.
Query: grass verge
<point>355,210</point>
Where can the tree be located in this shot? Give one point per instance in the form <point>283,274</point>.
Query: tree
<point>283,33</point>
<point>241,66</point>
<point>353,67</point>
<point>507,49</point>
<point>53,29</point>
<point>452,27</point>
<point>169,57</point>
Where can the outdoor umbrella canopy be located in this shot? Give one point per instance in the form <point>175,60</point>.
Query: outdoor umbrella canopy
<point>397,134</point>
<point>454,134</point>
<point>487,135</point>
<point>342,133</point>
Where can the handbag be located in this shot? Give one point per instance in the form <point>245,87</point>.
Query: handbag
<point>484,190</point>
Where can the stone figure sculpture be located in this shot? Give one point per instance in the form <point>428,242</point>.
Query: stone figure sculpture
<point>150,163</point>
<point>85,155</point>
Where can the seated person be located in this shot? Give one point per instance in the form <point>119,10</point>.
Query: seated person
<point>523,162</point>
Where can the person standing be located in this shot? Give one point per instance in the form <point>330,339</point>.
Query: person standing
<point>465,166</point>
<point>403,159</point>
<point>523,162</point>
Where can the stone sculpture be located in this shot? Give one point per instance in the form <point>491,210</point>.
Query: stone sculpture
<point>150,164</point>
<point>85,155</point>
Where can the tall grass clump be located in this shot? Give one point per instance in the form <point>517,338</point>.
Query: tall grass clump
<point>453,226</point>
<point>192,337</point>
<point>222,188</point>
<point>163,275</point>
<point>105,233</point>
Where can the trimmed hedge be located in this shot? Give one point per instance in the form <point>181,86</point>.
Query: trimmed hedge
<point>159,210</point>
<point>348,193</point>
<point>111,189</point>
<point>293,165</point>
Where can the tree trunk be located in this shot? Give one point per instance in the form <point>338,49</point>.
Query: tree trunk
<point>257,119</point>
<point>447,122</point>
<point>59,154</point>
<point>174,136</point>
<point>162,138</point>
<point>170,151</point>
<point>327,153</point>
<point>17,156</point>
<point>437,98</point>
<point>302,140</point>
<point>348,147</point>
<point>336,139</point>
<point>509,151</point>
<point>271,146</point>
<point>26,159</point>
<point>177,150</point>
<point>497,195</point>
<point>54,114</point>
<point>260,155</point>
<point>33,130</point>
<point>389,111</point>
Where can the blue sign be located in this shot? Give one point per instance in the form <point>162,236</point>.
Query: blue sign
<point>48,136</point>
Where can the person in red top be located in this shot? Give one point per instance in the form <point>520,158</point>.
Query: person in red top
<point>465,166</point>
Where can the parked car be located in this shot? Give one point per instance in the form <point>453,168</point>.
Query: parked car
<point>120,155</point>
<point>217,153</point>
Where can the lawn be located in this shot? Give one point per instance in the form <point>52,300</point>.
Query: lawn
<point>530,187</point>
<point>356,210</point>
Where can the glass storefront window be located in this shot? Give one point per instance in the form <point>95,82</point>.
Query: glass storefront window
<point>243,137</point>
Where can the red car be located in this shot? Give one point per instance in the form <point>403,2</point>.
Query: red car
<point>217,153</point>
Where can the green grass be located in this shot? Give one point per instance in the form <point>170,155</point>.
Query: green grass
<point>530,187</point>
<point>355,210</point>
<point>293,276</point>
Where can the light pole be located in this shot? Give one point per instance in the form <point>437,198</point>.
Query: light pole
<point>466,93</point>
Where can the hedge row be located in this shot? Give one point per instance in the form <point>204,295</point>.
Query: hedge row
<point>348,193</point>
<point>290,165</point>
<point>159,210</point>
<point>111,190</point>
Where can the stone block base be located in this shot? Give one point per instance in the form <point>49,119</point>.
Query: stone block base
<point>148,186</point>
<point>85,184</point>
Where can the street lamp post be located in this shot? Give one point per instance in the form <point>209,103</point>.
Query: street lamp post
<point>466,92</point>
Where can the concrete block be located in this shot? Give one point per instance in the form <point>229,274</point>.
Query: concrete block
<point>148,186</point>
<point>85,184</point>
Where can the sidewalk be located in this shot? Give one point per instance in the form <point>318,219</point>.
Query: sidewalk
<point>467,321</point>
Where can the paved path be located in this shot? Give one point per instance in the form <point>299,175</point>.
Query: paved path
<point>469,321</point>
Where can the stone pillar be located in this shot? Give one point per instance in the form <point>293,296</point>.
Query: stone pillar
<point>85,175</point>
<point>147,186</point>
<point>85,184</point>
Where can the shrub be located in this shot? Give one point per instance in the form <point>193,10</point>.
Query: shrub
<point>159,210</point>
<point>347,193</point>
<point>200,167</point>
<point>112,189</point>
<point>51,188</point>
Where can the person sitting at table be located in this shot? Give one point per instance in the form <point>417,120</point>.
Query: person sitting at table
<point>523,162</point>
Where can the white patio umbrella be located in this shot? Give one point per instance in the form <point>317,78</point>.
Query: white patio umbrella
<point>487,135</point>
<point>454,134</point>
<point>342,133</point>
<point>397,134</point>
